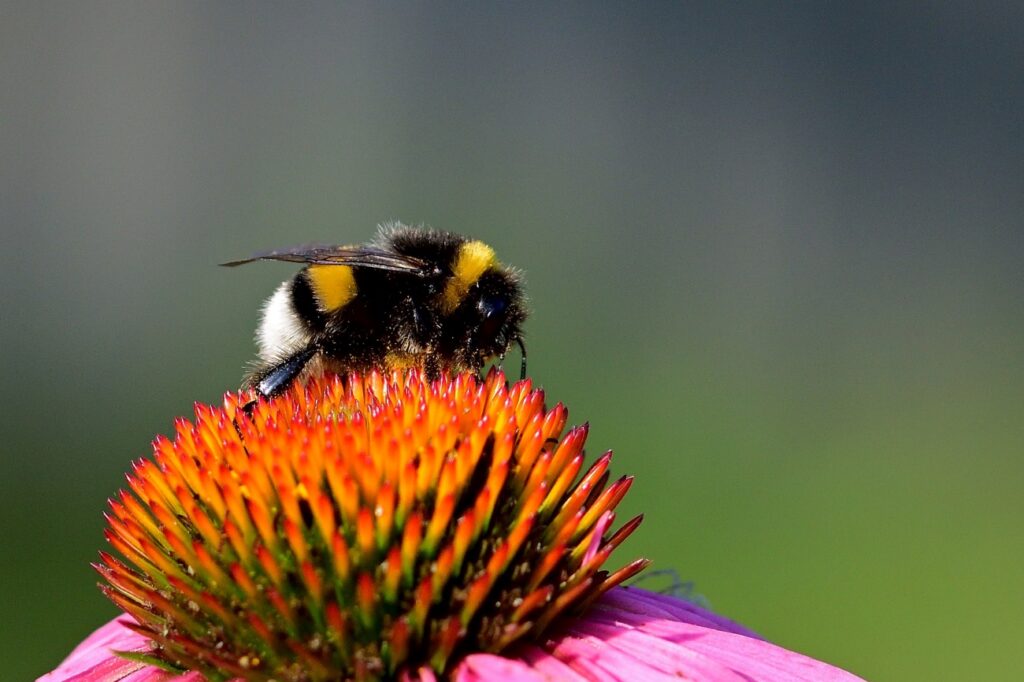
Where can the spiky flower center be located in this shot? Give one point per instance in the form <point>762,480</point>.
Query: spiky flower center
<point>357,527</point>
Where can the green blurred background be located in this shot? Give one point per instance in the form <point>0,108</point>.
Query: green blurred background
<point>775,257</point>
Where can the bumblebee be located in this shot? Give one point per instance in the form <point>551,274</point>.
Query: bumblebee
<point>414,298</point>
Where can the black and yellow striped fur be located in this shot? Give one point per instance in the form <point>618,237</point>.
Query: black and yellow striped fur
<point>415,298</point>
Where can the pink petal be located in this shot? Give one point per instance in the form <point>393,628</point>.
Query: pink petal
<point>482,667</point>
<point>632,634</point>
<point>547,664</point>
<point>94,661</point>
<point>661,658</point>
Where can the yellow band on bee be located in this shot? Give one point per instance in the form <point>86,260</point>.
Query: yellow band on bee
<point>333,285</point>
<point>473,260</point>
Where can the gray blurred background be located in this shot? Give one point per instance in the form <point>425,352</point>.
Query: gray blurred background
<point>774,257</point>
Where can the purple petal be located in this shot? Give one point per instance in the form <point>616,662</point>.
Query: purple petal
<point>621,601</point>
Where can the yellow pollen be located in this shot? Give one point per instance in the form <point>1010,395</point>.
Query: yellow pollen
<point>334,286</point>
<point>473,260</point>
<point>400,360</point>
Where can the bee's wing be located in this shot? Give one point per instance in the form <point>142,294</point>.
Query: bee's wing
<point>355,256</point>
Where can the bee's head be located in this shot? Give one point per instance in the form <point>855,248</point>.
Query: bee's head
<point>483,306</point>
<point>497,314</point>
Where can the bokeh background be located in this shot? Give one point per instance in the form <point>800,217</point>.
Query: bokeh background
<point>775,257</point>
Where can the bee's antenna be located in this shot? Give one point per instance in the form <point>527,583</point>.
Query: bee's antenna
<point>522,349</point>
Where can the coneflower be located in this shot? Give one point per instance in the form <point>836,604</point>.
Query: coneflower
<point>387,527</point>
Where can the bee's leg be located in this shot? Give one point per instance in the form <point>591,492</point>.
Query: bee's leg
<point>247,409</point>
<point>522,349</point>
<point>278,378</point>
<point>275,380</point>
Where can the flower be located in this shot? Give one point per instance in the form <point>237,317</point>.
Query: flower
<point>628,634</point>
<point>385,526</point>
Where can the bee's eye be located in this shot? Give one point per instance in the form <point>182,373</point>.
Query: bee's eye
<point>493,309</point>
<point>492,306</point>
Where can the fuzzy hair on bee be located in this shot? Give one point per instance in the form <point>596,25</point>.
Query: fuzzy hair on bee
<point>414,297</point>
